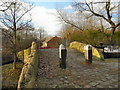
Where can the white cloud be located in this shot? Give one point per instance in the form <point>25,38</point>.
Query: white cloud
<point>46,18</point>
<point>68,7</point>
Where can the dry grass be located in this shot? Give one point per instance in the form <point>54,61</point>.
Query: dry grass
<point>10,77</point>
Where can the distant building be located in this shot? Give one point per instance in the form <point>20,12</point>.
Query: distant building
<point>52,42</point>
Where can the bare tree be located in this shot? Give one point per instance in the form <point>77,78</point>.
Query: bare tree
<point>13,19</point>
<point>25,35</point>
<point>101,24</point>
<point>63,17</point>
<point>104,13</point>
<point>41,33</point>
<point>28,28</point>
<point>6,8</point>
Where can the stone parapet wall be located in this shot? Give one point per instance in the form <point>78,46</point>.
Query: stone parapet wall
<point>80,47</point>
<point>30,58</point>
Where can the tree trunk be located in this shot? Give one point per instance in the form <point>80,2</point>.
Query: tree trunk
<point>102,27</point>
<point>26,34</point>
<point>14,39</point>
<point>15,55</point>
<point>112,33</point>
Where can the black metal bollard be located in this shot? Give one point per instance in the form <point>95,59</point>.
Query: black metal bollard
<point>90,56</point>
<point>62,56</point>
<point>88,53</point>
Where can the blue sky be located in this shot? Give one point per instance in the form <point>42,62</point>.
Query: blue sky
<point>52,5</point>
<point>49,5</point>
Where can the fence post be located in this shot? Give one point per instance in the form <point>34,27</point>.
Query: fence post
<point>88,53</point>
<point>62,56</point>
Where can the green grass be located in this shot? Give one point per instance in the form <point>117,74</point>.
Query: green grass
<point>10,77</point>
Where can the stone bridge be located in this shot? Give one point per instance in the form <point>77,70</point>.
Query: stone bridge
<point>100,74</point>
<point>78,74</point>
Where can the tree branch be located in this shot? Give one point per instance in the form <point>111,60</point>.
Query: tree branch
<point>114,7</point>
<point>4,22</point>
<point>23,15</point>
<point>6,8</point>
<point>68,22</point>
<point>7,32</point>
<point>117,25</point>
<point>23,25</point>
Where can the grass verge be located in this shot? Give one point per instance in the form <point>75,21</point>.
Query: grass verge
<point>10,77</point>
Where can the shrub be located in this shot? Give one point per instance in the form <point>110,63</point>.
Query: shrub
<point>94,37</point>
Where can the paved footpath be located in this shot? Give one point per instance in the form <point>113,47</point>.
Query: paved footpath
<point>100,74</point>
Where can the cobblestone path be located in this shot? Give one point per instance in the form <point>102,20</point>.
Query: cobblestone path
<point>100,74</point>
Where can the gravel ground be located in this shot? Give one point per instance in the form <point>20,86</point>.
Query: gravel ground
<point>78,74</point>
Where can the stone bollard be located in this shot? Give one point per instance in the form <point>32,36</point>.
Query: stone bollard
<point>33,47</point>
<point>88,53</point>
<point>62,56</point>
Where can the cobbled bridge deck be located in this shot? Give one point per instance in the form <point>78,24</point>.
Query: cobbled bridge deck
<point>100,74</point>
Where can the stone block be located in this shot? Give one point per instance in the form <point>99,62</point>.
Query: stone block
<point>80,47</point>
<point>20,55</point>
<point>29,70</point>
